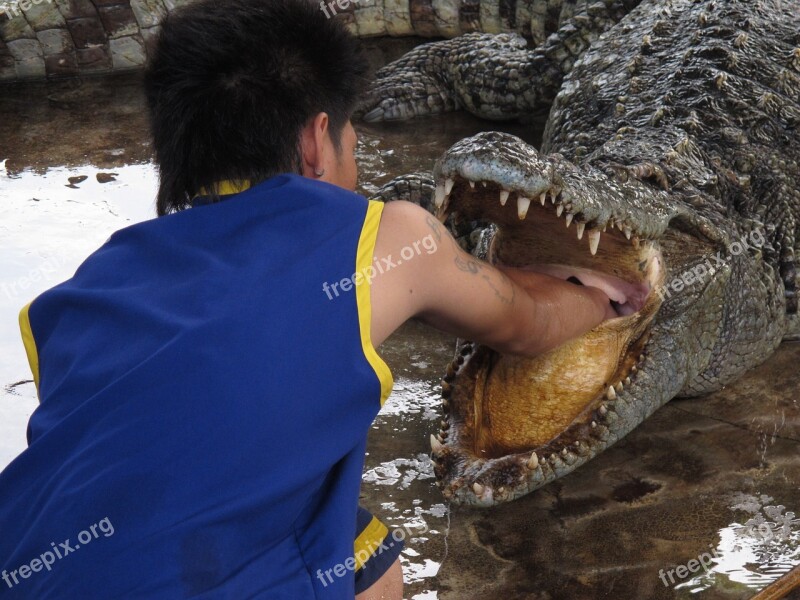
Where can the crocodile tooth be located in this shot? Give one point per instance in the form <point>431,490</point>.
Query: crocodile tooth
<point>594,241</point>
<point>636,243</point>
<point>634,368</point>
<point>581,227</point>
<point>564,452</point>
<point>440,196</point>
<point>484,184</point>
<point>559,210</point>
<point>533,461</point>
<point>569,218</point>
<point>627,231</point>
<point>472,184</point>
<point>504,197</point>
<point>602,410</point>
<point>448,186</point>
<point>627,381</point>
<point>552,198</point>
<point>543,198</point>
<point>477,488</point>
<point>611,394</point>
<point>501,489</point>
<point>436,445</point>
<point>594,424</point>
<point>522,207</point>
<point>619,386</point>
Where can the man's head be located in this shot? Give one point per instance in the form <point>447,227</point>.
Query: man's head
<point>242,90</point>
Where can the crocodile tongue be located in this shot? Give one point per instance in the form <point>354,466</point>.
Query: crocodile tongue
<point>626,297</point>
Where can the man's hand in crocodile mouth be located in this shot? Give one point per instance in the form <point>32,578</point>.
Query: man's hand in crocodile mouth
<point>521,410</point>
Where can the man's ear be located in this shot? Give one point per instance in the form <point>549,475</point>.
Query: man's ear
<point>312,142</point>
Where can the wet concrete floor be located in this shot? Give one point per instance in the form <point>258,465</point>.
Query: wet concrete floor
<point>680,488</point>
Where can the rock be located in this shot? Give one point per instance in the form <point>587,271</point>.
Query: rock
<point>127,52</point>
<point>43,15</point>
<point>148,13</point>
<point>25,50</point>
<point>97,59</point>
<point>87,32</point>
<point>55,41</point>
<point>118,20</point>
<point>370,21</point>
<point>106,177</point>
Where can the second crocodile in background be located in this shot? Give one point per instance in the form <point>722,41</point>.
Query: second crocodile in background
<point>669,176</point>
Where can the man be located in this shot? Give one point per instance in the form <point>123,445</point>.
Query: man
<point>204,402</point>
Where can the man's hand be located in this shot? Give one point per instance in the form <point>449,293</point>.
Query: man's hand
<point>569,309</point>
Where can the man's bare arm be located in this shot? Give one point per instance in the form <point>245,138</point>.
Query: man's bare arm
<point>513,311</point>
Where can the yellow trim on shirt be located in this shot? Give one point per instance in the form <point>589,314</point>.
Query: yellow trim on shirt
<point>369,541</point>
<point>227,188</point>
<point>364,258</point>
<point>29,342</point>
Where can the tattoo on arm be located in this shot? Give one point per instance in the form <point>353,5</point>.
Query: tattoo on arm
<point>504,297</point>
<point>435,226</point>
<point>468,264</point>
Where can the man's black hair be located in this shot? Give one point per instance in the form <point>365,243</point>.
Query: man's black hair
<point>231,84</point>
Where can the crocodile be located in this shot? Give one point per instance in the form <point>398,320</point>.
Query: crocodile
<point>497,77</point>
<point>69,38</point>
<point>669,176</point>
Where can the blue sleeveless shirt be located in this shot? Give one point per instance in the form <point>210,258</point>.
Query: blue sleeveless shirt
<point>205,404</point>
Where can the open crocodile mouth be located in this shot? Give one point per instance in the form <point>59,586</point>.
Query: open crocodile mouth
<point>511,418</point>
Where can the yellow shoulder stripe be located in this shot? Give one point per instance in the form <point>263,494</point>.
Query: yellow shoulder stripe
<point>368,541</point>
<point>364,258</point>
<point>227,188</point>
<point>29,342</point>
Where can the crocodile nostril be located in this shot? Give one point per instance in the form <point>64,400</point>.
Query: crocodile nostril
<point>575,280</point>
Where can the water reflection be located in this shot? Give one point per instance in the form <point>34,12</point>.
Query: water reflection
<point>753,553</point>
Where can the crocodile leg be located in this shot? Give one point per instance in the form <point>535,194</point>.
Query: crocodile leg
<point>488,75</point>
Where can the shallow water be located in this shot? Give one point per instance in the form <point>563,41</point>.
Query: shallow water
<point>681,487</point>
